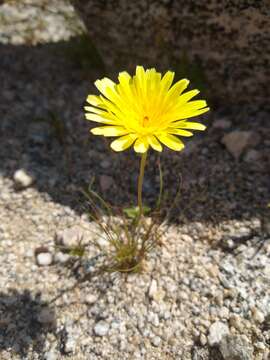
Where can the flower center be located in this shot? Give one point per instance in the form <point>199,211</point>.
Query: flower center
<point>145,121</point>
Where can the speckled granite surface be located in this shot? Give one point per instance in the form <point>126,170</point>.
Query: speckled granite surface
<point>230,39</point>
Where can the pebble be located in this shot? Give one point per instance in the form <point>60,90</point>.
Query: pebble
<point>51,355</point>
<point>106,182</point>
<point>228,267</point>
<point>237,141</point>
<point>236,322</point>
<point>152,289</point>
<point>70,345</point>
<point>153,319</point>
<point>105,164</point>
<point>224,281</point>
<point>257,315</point>
<point>69,237</point>
<point>101,328</point>
<point>252,156</point>
<point>91,299</point>
<point>22,179</point>
<point>236,347</point>
<point>156,341</point>
<point>222,124</point>
<point>103,243</point>
<point>224,313</point>
<point>203,339</point>
<point>44,259</point>
<point>260,346</point>
<point>46,316</point>
<point>61,257</point>
<point>216,331</point>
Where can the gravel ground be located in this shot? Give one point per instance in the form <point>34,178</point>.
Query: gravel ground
<point>204,293</point>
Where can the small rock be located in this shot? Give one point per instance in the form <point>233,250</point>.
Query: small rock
<point>219,299</point>
<point>156,341</point>
<point>61,258</point>
<point>105,164</point>
<point>213,270</point>
<point>222,124</point>
<point>91,299</point>
<point>101,328</point>
<point>152,289</point>
<point>22,179</point>
<point>236,347</point>
<point>153,318</point>
<point>70,237</point>
<point>260,346</point>
<point>102,242</point>
<point>224,313</point>
<point>203,339</point>
<point>50,355</point>
<point>227,267</point>
<point>227,243</point>
<point>237,141</point>
<point>224,281</point>
<point>257,315</point>
<point>200,353</point>
<point>252,156</point>
<point>106,182</point>
<point>46,316</point>
<point>216,331</point>
<point>70,345</point>
<point>166,315</point>
<point>44,259</point>
<point>236,322</point>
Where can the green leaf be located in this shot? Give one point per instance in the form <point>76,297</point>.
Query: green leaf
<point>133,212</point>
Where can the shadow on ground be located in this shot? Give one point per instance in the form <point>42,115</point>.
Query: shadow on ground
<point>44,132</point>
<point>24,322</point>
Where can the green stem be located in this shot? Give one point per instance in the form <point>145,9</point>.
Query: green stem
<point>140,184</point>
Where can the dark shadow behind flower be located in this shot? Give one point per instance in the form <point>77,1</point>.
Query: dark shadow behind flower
<point>24,322</point>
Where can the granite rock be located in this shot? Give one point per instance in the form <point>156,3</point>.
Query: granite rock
<point>236,348</point>
<point>229,39</point>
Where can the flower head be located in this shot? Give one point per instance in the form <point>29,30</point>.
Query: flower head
<point>145,110</point>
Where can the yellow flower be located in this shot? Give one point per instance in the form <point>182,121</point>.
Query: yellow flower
<point>145,110</point>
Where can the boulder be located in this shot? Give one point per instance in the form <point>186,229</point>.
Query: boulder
<point>225,42</point>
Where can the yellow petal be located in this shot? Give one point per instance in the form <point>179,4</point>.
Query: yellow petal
<point>171,141</point>
<point>104,84</point>
<point>172,95</point>
<point>124,77</point>
<point>167,80</point>
<point>184,98</point>
<point>125,90</point>
<point>124,142</point>
<point>180,132</point>
<point>94,100</point>
<point>178,87</point>
<point>141,145</point>
<point>109,131</point>
<point>189,106</point>
<point>100,119</point>
<point>195,104</point>
<point>94,110</point>
<point>139,81</point>
<point>154,143</point>
<point>188,125</point>
<point>184,113</point>
<point>193,113</point>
